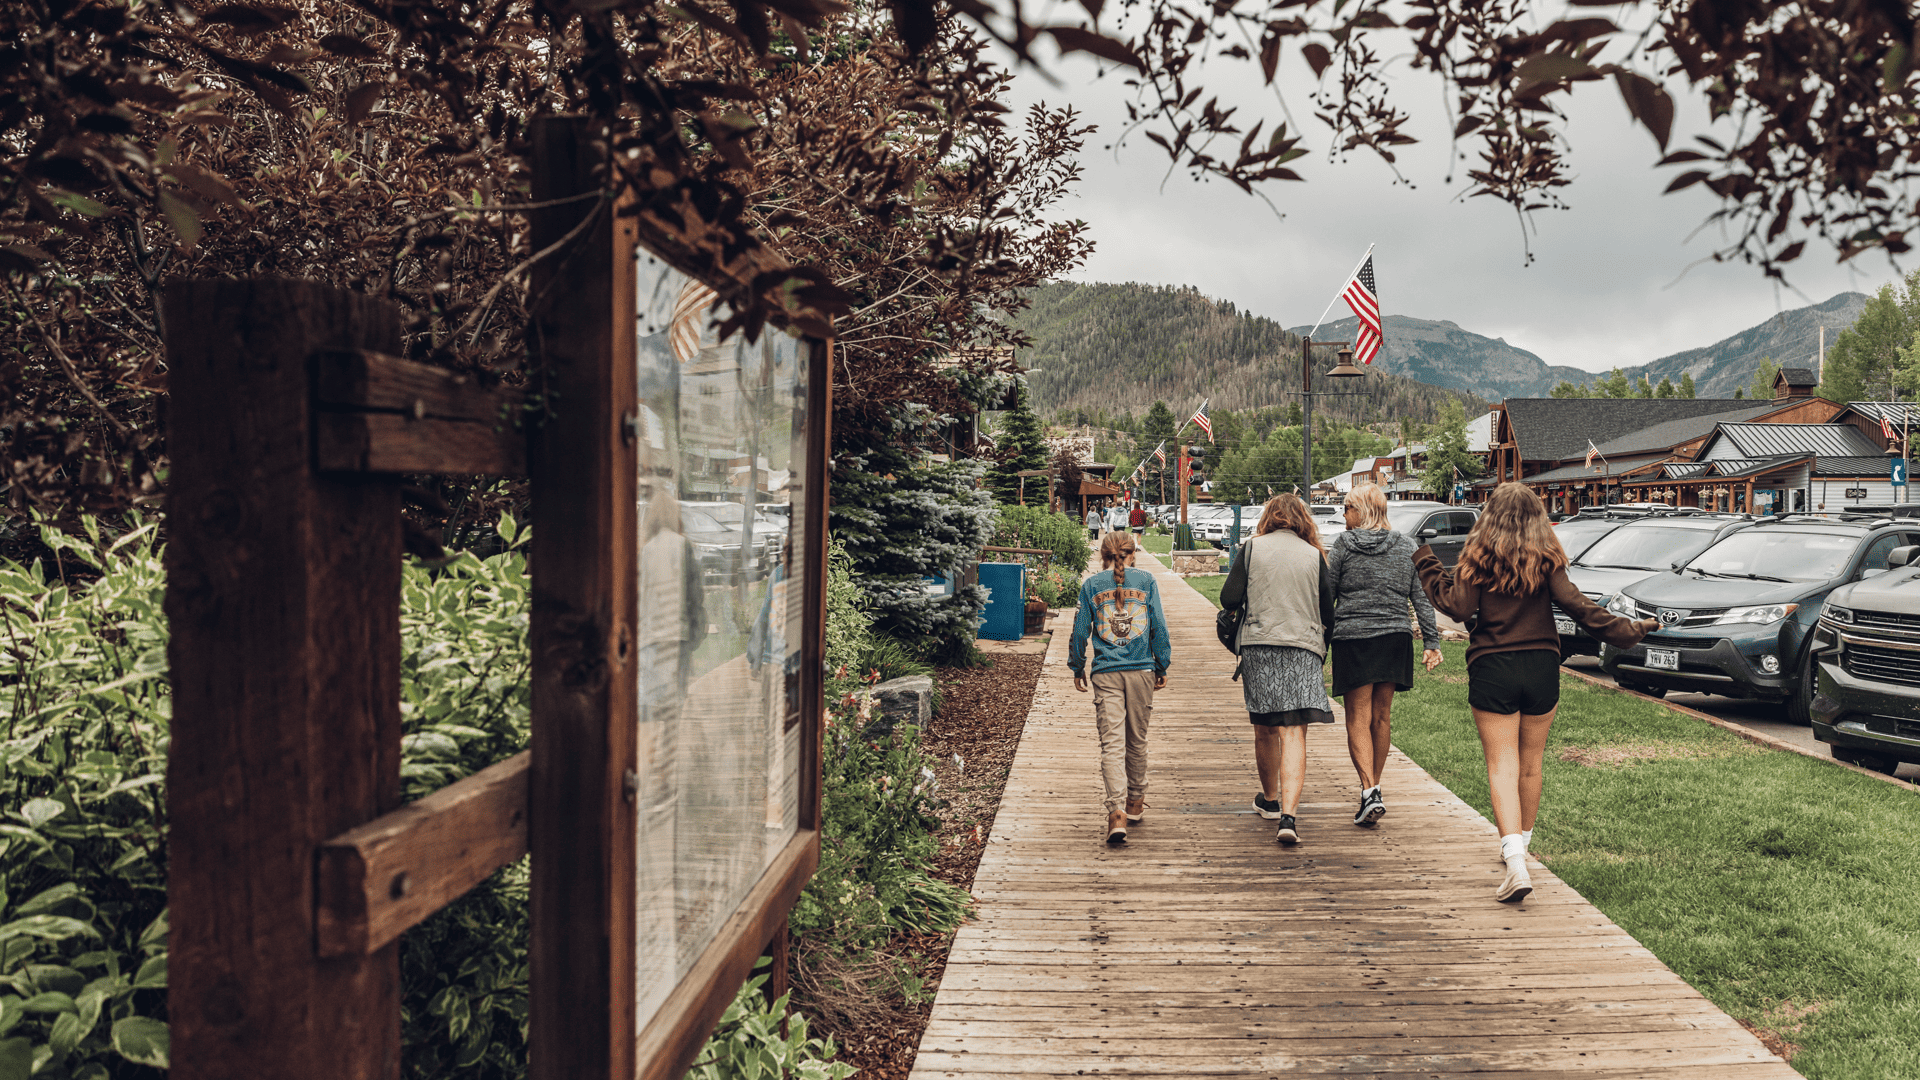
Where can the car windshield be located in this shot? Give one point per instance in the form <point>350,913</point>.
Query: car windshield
<point>1778,555</point>
<point>1645,547</point>
<point>1578,534</point>
<point>1404,518</point>
<point>692,520</point>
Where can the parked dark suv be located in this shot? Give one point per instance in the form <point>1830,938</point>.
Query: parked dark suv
<point>1635,550</point>
<point>1867,660</point>
<point>1737,619</point>
<point>1443,528</point>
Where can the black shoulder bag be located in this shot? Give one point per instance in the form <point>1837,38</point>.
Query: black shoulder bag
<point>1226,621</point>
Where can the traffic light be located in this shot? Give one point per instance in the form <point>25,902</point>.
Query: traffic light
<point>1197,463</point>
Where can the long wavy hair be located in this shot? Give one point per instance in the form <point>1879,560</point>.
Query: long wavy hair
<point>1289,513</point>
<point>1512,548</point>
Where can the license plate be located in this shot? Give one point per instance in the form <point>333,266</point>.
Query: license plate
<point>1665,659</point>
<point>1564,625</point>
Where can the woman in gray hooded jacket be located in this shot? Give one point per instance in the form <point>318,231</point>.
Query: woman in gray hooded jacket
<point>1370,570</point>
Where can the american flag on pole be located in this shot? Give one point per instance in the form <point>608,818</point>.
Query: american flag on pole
<point>1592,452</point>
<point>1200,418</point>
<point>1362,296</point>
<point>1886,429</point>
<point>1161,453</point>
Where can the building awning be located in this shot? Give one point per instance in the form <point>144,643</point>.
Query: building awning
<point>1096,488</point>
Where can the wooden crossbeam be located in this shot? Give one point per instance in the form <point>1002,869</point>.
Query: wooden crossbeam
<point>385,414</point>
<point>376,881</point>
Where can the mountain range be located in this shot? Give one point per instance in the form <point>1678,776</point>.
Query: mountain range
<point>1443,354</point>
<point>1117,348</point>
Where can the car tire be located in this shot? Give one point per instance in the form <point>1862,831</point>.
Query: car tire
<point>1885,764</point>
<point>1642,688</point>
<point>1800,702</point>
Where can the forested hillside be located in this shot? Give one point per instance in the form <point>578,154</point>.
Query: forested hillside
<point>1119,348</point>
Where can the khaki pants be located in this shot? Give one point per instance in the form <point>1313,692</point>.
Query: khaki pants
<point>1122,703</point>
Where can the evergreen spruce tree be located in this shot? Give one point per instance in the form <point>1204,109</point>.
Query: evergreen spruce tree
<point>1154,429</point>
<point>1686,386</point>
<point>1665,389</point>
<point>1020,443</point>
<point>899,519</point>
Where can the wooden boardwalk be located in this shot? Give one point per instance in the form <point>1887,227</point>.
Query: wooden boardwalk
<point>1202,948</point>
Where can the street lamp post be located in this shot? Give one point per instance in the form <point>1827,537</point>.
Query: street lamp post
<point>1343,368</point>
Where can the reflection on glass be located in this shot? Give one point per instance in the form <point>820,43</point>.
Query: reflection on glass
<point>721,439</point>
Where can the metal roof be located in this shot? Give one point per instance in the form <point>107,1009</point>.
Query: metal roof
<point>1674,432</point>
<point>1684,470</point>
<point>1798,376</point>
<point>1772,440</point>
<point>1873,466</point>
<point>1558,429</point>
<point>1887,410</point>
<point>1615,467</point>
<point>1732,468</point>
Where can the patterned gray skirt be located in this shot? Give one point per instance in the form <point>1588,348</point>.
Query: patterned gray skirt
<point>1284,686</point>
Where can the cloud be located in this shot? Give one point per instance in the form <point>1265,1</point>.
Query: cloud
<point>1617,279</point>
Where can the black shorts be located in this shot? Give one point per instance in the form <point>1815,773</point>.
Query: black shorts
<point>1515,682</point>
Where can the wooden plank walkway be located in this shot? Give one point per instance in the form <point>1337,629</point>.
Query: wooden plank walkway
<point>1202,948</point>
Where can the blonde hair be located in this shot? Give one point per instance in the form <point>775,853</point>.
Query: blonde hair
<point>1114,549</point>
<point>1372,504</point>
<point>1289,513</point>
<point>1512,548</point>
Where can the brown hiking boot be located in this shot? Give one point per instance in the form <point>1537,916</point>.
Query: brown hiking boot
<point>1136,809</point>
<point>1117,827</point>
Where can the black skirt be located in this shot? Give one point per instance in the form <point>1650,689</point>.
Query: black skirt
<point>1365,661</point>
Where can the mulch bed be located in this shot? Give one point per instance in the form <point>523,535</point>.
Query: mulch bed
<point>972,742</point>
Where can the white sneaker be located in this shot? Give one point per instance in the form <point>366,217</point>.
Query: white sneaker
<point>1517,885</point>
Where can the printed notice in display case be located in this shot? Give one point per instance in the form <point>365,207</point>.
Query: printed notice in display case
<point>721,433</point>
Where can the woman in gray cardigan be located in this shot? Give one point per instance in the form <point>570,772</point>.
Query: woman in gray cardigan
<point>1370,568</point>
<point>1280,576</point>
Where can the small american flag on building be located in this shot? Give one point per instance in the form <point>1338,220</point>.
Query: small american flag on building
<point>1364,298</point>
<point>1205,424</point>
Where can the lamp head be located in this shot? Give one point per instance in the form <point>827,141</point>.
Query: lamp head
<point>1344,367</point>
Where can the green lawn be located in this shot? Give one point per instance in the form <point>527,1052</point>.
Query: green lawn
<point>1209,587</point>
<point>1780,886</point>
<point>1158,543</point>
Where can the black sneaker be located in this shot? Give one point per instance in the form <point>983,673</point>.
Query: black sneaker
<point>1372,809</point>
<point>1269,808</point>
<point>1289,832</point>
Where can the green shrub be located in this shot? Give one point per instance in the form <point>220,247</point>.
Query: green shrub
<point>757,1038</point>
<point>1054,586</point>
<point>849,626</point>
<point>83,871</point>
<point>1036,527</point>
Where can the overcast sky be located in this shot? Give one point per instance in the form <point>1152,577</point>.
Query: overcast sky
<point>1609,284</point>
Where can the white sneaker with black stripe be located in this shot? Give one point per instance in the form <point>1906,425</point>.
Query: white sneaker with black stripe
<point>1372,808</point>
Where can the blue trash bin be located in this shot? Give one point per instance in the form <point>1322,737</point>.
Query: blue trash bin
<point>1006,610</point>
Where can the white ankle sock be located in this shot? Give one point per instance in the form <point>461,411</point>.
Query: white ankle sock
<point>1374,790</point>
<point>1526,840</point>
<point>1513,846</point>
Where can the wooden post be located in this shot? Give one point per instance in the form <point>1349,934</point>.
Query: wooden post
<point>583,467</point>
<point>283,596</point>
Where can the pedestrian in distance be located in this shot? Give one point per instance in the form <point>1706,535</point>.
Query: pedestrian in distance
<point>1370,568</point>
<point>1137,518</point>
<point>1510,574</point>
<point>1093,524</point>
<point>1280,578</point>
<point>1121,617</point>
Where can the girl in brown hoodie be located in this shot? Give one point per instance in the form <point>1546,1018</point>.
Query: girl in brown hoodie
<point>1510,575</point>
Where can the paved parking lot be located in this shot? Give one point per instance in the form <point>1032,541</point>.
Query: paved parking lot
<point>1763,717</point>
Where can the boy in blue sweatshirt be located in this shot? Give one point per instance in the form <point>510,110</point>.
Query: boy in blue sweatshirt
<point>1120,610</point>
